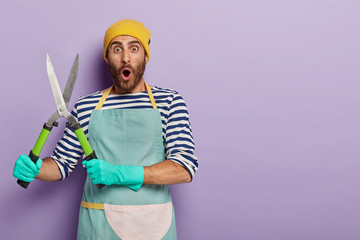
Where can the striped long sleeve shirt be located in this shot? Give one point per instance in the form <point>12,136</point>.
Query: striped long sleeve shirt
<point>176,128</point>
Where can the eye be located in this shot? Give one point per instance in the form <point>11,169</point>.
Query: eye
<point>134,48</point>
<point>117,49</point>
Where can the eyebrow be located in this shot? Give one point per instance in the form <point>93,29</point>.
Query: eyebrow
<point>116,42</point>
<point>120,43</point>
<point>134,41</point>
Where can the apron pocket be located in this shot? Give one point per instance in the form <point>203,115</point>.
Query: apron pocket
<point>139,222</point>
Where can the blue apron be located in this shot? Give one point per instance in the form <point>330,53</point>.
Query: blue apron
<point>127,137</point>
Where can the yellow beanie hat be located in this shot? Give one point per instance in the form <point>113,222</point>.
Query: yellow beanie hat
<point>130,28</point>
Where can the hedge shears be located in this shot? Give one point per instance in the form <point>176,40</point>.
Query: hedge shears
<point>62,102</point>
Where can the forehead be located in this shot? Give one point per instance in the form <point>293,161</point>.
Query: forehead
<point>124,39</point>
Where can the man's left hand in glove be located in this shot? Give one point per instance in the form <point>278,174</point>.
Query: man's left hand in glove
<point>102,172</point>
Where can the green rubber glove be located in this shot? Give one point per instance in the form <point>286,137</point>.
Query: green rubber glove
<point>25,169</point>
<point>102,172</point>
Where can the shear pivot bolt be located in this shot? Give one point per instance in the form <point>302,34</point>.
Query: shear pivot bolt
<point>61,109</point>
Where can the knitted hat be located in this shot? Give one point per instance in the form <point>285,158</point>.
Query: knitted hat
<point>130,28</point>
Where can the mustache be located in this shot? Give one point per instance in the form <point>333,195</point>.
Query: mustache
<point>125,66</point>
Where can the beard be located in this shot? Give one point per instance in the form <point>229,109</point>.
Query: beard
<point>126,86</point>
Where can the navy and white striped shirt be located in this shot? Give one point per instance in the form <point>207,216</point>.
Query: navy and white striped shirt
<point>177,135</point>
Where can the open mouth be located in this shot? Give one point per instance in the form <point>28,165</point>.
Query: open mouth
<point>126,74</point>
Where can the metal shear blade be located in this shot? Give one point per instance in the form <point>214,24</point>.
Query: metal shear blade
<point>61,99</point>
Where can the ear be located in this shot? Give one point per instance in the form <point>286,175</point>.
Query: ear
<point>106,60</point>
<point>146,58</point>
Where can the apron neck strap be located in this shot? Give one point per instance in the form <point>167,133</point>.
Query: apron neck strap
<point>152,100</point>
<point>103,98</point>
<point>107,92</point>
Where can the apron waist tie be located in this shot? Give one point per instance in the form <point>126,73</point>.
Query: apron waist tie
<point>98,206</point>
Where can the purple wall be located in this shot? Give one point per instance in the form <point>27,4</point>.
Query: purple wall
<point>273,92</point>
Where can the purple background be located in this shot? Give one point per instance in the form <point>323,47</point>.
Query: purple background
<point>273,93</point>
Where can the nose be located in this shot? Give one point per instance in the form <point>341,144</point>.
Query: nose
<point>126,56</point>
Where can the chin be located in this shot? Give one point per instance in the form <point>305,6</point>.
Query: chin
<point>126,86</point>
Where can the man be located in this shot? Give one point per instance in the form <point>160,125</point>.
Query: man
<point>142,138</point>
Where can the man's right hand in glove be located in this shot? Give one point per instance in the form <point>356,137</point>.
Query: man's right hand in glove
<point>25,169</point>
